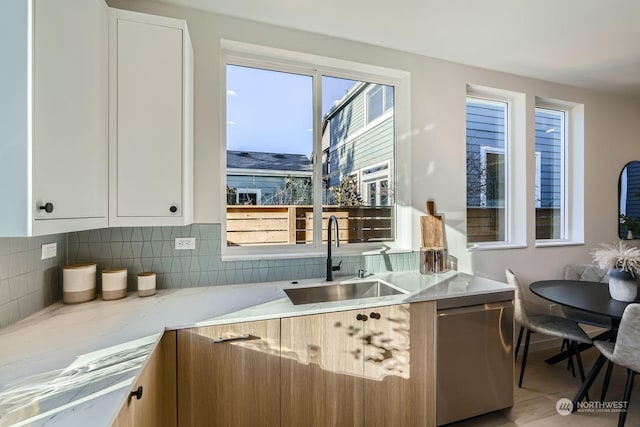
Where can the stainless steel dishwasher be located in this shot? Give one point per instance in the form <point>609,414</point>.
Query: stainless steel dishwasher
<point>474,365</point>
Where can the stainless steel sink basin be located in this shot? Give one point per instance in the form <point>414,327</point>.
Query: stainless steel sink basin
<point>340,292</point>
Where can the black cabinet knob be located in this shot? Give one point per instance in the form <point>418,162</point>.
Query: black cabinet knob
<point>137,393</point>
<point>374,315</point>
<point>362,317</point>
<point>47,207</point>
<point>173,209</point>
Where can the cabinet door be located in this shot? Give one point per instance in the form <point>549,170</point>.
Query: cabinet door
<point>157,404</point>
<point>322,362</point>
<point>229,375</point>
<point>387,366</point>
<point>399,365</point>
<point>70,109</point>
<point>70,114</point>
<point>149,132</point>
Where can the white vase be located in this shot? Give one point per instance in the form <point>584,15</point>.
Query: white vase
<point>622,285</point>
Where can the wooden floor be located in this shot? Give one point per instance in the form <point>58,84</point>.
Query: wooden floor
<point>543,385</point>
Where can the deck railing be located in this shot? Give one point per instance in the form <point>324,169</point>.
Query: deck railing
<point>264,225</point>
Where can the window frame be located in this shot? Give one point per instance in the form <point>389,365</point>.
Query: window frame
<point>572,161</point>
<point>250,55</point>
<point>515,159</point>
<point>384,111</point>
<point>366,178</point>
<point>255,191</point>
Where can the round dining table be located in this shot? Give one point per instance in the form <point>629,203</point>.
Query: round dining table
<point>592,297</point>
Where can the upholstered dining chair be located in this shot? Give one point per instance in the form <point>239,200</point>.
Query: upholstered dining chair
<point>591,273</point>
<point>625,352</point>
<point>545,324</point>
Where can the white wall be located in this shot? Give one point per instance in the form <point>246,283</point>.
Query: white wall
<point>612,126</point>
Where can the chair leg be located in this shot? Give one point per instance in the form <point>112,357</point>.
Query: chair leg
<point>627,396</point>
<point>515,356</point>
<point>524,358</point>
<point>605,384</point>
<point>586,384</point>
<point>576,352</point>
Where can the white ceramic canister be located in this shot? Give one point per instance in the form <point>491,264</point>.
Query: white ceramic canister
<point>78,283</point>
<point>146,283</point>
<point>114,283</point>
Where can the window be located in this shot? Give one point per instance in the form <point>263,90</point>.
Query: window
<point>248,196</point>
<point>279,114</point>
<point>379,101</point>
<point>375,185</point>
<point>550,173</point>
<point>487,142</point>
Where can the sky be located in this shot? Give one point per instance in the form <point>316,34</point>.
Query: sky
<point>272,111</point>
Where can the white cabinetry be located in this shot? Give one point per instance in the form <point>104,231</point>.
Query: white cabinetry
<point>53,116</point>
<point>151,121</point>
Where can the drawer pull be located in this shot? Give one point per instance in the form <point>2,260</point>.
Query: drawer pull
<point>137,393</point>
<point>236,338</point>
<point>374,315</point>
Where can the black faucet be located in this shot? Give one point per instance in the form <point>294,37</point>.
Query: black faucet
<point>330,267</point>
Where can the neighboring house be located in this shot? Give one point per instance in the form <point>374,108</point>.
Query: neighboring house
<point>358,142</point>
<point>485,157</point>
<point>257,178</point>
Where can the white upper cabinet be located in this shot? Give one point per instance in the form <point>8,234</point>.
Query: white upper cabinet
<point>151,121</point>
<point>53,116</point>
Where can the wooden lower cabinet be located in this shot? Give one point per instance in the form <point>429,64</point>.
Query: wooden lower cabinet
<point>157,405</point>
<point>371,367</point>
<point>229,375</point>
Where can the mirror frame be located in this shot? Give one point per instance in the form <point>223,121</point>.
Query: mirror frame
<point>629,226</point>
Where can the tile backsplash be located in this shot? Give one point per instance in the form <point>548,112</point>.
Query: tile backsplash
<point>28,284</point>
<point>152,249</point>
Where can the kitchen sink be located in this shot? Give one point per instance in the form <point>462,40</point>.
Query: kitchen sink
<point>340,292</point>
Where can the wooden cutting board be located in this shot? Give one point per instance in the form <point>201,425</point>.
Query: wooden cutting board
<point>432,228</point>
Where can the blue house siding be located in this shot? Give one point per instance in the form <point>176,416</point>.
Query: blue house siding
<point>549,145</point>
<point>372,147</point>
<point>354,144</point>
<point>486,128</point>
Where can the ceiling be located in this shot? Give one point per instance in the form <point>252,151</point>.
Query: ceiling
<point>587,43</point>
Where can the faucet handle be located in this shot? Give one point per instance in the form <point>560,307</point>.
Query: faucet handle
<point>336,267</point>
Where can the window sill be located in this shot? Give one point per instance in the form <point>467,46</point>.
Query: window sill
<point>556,243</point>
<point>494,246</point>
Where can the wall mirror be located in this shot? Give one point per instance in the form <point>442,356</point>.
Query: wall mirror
<point>629,201</point>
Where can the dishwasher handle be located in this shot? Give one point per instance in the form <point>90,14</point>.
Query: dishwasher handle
<point>475,308</point>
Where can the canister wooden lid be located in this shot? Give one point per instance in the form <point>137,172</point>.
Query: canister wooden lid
<point>79,265</point>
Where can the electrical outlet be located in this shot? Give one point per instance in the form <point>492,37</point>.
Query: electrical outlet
<point>185,243</point>
<point>49,250</point>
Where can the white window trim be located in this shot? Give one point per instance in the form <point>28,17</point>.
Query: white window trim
<point>367,178</point>
<point>240,53</point>
<point>484,150</point>
<point>572,196</point>
<point>515,158</point>
<point>256,191</point>
<point>538,191</point>
<point>373,122</point>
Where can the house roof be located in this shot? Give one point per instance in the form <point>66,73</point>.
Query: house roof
<point>268,161</point>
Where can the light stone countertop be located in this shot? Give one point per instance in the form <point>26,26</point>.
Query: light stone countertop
<point>72,365</point>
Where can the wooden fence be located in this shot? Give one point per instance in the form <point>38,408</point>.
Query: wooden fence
<point>488,224</point>
<point>293,224</point>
